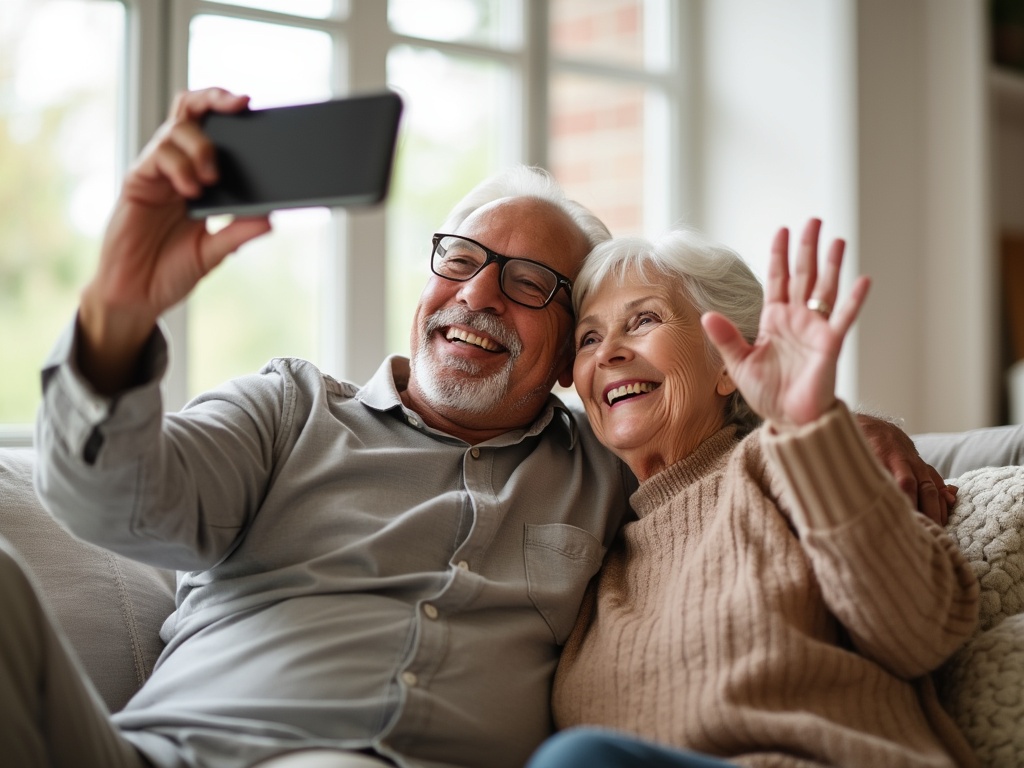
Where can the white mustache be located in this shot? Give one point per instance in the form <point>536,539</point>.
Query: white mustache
<point>480,321</point>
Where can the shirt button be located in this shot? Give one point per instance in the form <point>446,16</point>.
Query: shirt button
<point>463,565</point>
<point>430,610</point>
<point>409,678</point>
<point>475,453</point>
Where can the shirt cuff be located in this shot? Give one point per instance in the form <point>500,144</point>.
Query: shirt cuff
<point>74,411</point>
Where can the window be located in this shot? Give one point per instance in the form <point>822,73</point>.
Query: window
<point>264,301</point>
<point>606,123</point>
<point>611,108</point>
<point>461,124</point>
<point>582,87</point>
<point>61,80</point>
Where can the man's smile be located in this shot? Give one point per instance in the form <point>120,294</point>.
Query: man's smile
<point>469,337</point>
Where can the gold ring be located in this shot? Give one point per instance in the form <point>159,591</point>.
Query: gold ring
<point>819,306</point>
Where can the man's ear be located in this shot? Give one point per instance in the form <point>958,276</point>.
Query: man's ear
<point>569,356</point>
<point>725,386</point>
<point>565,377</point>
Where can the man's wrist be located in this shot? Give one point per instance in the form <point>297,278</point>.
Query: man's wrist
<point>109,352</point>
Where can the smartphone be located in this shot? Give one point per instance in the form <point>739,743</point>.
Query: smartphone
<point>331,153</point>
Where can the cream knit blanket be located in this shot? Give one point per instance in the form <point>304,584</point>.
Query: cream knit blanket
<point>982,686</point>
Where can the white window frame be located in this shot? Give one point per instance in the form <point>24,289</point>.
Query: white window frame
<point>156,65</point>
<point>356,287</point>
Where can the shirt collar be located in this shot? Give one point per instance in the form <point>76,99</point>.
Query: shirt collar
<point>381,393</point>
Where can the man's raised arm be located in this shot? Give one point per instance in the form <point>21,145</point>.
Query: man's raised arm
<point>153,254</point>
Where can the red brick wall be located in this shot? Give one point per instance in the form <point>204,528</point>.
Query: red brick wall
<point>596,132</point>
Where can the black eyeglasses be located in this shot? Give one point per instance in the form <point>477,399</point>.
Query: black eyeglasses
<point>526,282</point>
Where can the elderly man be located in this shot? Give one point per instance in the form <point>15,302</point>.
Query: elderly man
<point>374,575</point>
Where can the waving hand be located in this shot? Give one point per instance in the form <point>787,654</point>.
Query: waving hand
<point>788,374</point>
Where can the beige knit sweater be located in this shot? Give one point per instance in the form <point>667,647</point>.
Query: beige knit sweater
<point>777,603</point>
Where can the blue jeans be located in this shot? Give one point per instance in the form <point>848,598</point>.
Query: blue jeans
<point>596,748</point>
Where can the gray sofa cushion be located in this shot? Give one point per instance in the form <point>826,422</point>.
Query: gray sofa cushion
<point>954,453</point>
<point>110,608</point>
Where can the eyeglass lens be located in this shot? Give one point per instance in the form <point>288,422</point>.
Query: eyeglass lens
<point>523,281</point>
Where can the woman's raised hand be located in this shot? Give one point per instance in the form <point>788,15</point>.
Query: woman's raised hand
<point>788,374</point>
<point>153,254</point>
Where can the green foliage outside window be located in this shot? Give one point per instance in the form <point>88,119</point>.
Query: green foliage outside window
<point>57,123</point>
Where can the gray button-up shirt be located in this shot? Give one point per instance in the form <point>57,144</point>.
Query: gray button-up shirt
<point>348,577</point>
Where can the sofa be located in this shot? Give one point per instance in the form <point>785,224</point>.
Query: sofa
<point>111,608</point>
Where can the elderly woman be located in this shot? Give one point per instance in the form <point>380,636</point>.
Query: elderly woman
<point>777,601</point>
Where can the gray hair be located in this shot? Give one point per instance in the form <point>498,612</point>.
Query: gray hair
<point>712,277</point>
<point>527,181</point>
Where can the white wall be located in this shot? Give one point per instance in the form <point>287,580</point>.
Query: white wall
<point>872,115</point>
<point>776,124</point>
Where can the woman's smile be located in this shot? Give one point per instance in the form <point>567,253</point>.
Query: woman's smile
<point>620,392</point>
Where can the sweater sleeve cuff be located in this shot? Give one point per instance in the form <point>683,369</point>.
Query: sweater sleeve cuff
<point>827,468</point>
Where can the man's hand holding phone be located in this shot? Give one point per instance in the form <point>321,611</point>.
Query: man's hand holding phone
<point>213,155</point>
<point>153,254</point>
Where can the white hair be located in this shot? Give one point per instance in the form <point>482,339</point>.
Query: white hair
<point>533,182</point>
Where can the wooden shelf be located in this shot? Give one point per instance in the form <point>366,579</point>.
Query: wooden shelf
<point>1007,92</point>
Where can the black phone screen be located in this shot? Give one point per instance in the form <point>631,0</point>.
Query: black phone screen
<point>332,153</point>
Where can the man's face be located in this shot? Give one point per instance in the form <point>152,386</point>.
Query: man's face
<point>480,361</point>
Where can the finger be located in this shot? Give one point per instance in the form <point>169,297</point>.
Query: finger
<point>923,492</point>
<point>197,147</point>
<point>950,492</point>
<point>171,162</point>
<point>827,287</point>
<point>726,337</point>
<point>929,502</point>
<point>846,314</point>
<point>216,247</point>
<point>192,105</point>
<point>183,127</point>
<point>777,284</point>
<point>905,478</point>
<point>805,270</point>
<point>945,501</point>
<point>943,509</point>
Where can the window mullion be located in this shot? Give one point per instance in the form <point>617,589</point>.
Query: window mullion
<point>155,56</point>
<point>172,19</point>
<point>355,310</point>
<point>535,75</point>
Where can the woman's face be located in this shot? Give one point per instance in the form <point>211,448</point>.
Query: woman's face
<point>642,368</point>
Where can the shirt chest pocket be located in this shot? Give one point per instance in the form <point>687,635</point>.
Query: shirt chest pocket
<point>560,560</point>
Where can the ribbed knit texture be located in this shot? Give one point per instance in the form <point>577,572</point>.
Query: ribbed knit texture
<point>778,603</point>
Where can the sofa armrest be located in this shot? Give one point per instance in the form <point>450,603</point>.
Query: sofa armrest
<point>109,608</point>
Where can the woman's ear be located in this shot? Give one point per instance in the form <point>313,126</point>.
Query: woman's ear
<point>725,386</point>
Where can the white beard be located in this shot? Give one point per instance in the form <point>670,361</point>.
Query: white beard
<point>446,392</point>
<point>472,393</point>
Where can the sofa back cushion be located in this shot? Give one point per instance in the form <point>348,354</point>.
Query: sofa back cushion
<point>109,608</point>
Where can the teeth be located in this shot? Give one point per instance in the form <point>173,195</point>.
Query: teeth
<point>472,338</point>
<point>630,389</point>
